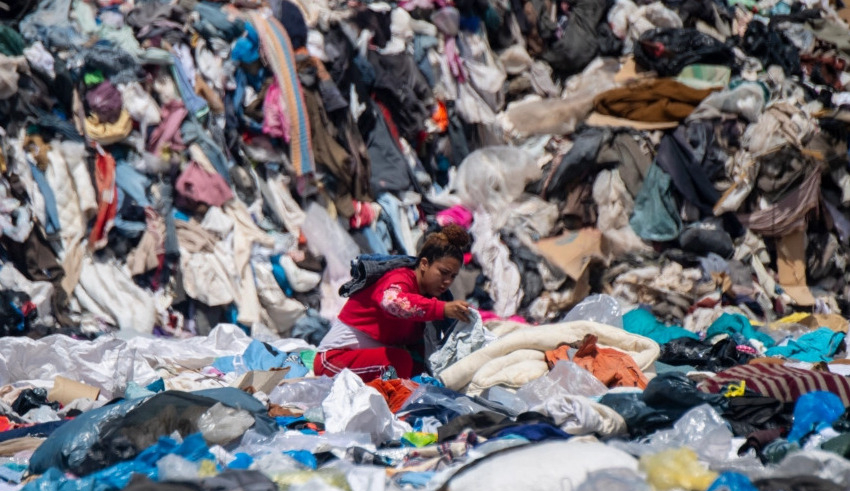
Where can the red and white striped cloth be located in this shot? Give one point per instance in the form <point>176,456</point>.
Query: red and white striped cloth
<point>780,382</point>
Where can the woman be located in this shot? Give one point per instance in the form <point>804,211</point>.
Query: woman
<point>382,325</point>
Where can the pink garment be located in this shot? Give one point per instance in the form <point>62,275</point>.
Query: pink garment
<point>489,315</point>
<point>199,186</point>
<point>275,120</point>
<point>363,216</point>
<point>168,132</point>
<point>453,57</point>
<point>457,215</point>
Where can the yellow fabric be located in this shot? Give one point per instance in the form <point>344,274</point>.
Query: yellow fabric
<point>105,133</point>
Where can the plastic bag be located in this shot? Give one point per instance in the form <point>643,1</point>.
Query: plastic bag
<point>566,377</point>
<point>42,414</point>
<point>701,429</point>
<point>620,479</point>
<point>676,469</point>
<point>813,412</point>
<point>254,443</point>
<point>491,178</point>
<point>327,238</point>
<point>432,396</point>
<point>221,425</point>
<point>603,309</point>
<point>173,467</point>
<point>507,399</point>
<point>354,407</point>
<point>732,481</point>
<point>31,399</point>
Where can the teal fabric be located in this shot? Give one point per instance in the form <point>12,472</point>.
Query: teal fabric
<point>815,346</point>
<point>737,324</point>
<point>656,215</point>
<point>642,322</point>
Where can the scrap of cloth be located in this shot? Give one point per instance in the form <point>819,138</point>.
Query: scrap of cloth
<point>780,382</point>
<point>653,101</point>
<point>281,57</point>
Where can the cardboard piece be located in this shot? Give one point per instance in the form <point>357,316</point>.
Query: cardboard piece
<point>66,391</point>
<point>831,321</point>
<point>573,251</point>
<point>791,268</point>
<point>596,119</point>
<point>261,380</point>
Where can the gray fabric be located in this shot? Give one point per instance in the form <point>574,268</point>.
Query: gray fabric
<point>465,338</point>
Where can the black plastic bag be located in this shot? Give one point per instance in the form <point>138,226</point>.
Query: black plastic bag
<point>31,399</point>
<point>669,50</point>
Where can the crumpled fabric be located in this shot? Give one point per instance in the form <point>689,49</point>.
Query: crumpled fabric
<point>107,288</point>
<point>352,406</point>
<point>197,185</point>
<point>494,258</point>
<point>614,206</point>
<point>464,338</point>
<point>10,69</point>
<point>656,215</point>
<point>107,133</point>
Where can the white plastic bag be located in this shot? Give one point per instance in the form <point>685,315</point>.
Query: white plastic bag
<point>304,394</point>
<point>603,309</point>
<point>352,406</point>
<point>565,377</point>
<point>221,424</point>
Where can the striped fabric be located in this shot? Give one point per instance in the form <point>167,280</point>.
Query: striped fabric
<point>279,55</point>
<point>780,382</point>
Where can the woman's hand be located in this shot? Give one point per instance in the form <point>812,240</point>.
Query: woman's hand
<point>457,309</point>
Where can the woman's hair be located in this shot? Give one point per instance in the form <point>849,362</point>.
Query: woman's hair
<point>451,241</point>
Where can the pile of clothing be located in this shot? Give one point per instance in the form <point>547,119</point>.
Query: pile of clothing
<point>658,194</point>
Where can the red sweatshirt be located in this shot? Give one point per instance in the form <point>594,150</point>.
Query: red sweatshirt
<point>392,311</point>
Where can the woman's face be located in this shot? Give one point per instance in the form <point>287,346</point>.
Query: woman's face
<point>436,277</point>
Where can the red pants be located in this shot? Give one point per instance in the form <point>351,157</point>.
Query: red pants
<point>369,364</point>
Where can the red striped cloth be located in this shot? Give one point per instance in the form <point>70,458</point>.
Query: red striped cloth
<point>780,382</point>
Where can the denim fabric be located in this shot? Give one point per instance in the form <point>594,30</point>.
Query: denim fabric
<point>193,102</point>
<point>392,212</point>
<point>192,132</point>
<point>132,182</point>
<point>51,210</point>
<point>311,327</point>
<point>369,268</point>
<point>421,44</point>
<point>130,228</point>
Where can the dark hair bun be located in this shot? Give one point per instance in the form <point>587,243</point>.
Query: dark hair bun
<point>456,236</point>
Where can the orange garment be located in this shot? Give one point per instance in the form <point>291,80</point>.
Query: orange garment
<point>560,353</point>
<point>612,367</point>
<point>440,116</point>
<point>395,391</point>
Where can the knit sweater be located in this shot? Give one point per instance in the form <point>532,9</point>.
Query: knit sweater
<point>392,311</point>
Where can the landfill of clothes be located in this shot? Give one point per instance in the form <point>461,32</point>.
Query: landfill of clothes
<point>658,195</point>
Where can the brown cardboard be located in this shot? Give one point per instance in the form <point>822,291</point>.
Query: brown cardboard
<point>791,268</point>
<point>261,380</point>
<point>831,321</point>
<point>844,14</point>
<point>572,251</point>
<point>66,391</point>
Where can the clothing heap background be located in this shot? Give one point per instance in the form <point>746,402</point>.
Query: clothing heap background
<point>658,194</point>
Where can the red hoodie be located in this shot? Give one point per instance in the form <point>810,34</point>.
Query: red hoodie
<point>391,311</point>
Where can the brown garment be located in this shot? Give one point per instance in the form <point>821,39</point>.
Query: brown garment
<point>653,101</point>
<point>788,214</point>
<point>579,209</point>
<point>330,156</point>
<point>209,94</point>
